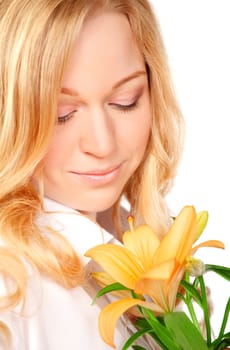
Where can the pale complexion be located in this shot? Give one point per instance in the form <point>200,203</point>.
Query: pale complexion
<point>104,118</point>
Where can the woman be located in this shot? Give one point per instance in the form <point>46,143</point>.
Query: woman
<point>88,117</point>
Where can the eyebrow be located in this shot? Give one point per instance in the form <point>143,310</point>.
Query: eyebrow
<point>137,74</point>
<point>132,76</point>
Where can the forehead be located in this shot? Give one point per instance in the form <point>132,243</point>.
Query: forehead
<point>105,50</point>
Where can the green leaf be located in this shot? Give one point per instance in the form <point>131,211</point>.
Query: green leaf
<point>181,296</point>
<point>205,309</point>
<point>133,338</point>
<point>142,323</point>
<point>221,343</point>
<point>186,334</point>
<point>193,291</point>
<point>137,347</point>
<point>225,318</point>
<point>223,271</point>
<point>108,289</point>
<point>157,329</point>
<point>159,332</point>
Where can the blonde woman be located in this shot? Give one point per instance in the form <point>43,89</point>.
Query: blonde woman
<point>88,117</point>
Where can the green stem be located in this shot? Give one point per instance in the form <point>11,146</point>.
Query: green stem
<point>205,309</point>
<point>225,319</point>
<point>189,303</point>
<point>192,313</point>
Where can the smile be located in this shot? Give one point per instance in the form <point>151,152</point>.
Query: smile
<point>99,177</point>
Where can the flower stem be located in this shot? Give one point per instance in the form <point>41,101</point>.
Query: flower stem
<point>205,309</point>
<point>225,319</point>
<point>192,313</point>
<point>189,303</point>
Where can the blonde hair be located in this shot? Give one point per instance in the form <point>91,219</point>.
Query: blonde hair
<point>36,39</point>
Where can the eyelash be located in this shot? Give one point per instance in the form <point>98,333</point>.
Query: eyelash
<point>64,118</point>
<point>124,108</point>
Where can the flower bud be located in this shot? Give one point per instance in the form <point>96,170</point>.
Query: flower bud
<point>194,267</point>
<point>201,221</point>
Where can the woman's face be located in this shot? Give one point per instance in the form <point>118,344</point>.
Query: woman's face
<point>104,118</point>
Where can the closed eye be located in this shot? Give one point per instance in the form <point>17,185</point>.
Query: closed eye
<point>64,118</point>
<point>125,108</point>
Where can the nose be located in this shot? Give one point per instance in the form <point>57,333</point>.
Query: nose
<point>97,136</point>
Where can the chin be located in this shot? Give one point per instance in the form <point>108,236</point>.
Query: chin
<point>99,204</point>
<point>97,208</point>
<point>91,201</point>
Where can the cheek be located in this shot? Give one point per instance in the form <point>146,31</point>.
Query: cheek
<point>139,133</point>
<point>57,151</point>
<point>60,145</point>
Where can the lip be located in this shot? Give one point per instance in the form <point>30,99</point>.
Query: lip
<point>98,176</point>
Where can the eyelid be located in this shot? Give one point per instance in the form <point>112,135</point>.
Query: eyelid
<point>127,104</point>
<point>125,108</point>
<point>124,103</point>
<point>64,118</point>
<point>127,97</point>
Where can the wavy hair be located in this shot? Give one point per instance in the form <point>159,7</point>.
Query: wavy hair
<point>36,40</point>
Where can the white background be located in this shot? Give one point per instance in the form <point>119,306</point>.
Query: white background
<point>197,39</point>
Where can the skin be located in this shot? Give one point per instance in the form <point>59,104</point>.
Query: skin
<point>103,118</point>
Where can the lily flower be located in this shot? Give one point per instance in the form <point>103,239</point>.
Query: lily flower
<point>148,266</point>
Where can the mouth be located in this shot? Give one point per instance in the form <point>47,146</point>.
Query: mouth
<point>100,176</point>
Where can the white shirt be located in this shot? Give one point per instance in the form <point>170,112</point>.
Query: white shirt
<point>56,318</point>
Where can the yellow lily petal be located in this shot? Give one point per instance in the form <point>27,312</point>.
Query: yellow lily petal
<point>102,278</point>
<point>156,287</point>
<point>161,271</point>
<point>143,242</point>
<point>210,243</point>
<point>178,241</point>
<point>109,316</point>
<point>172,287</point>
<point>164,292</point>
<point>152,282</point>
<point>118,262</point>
